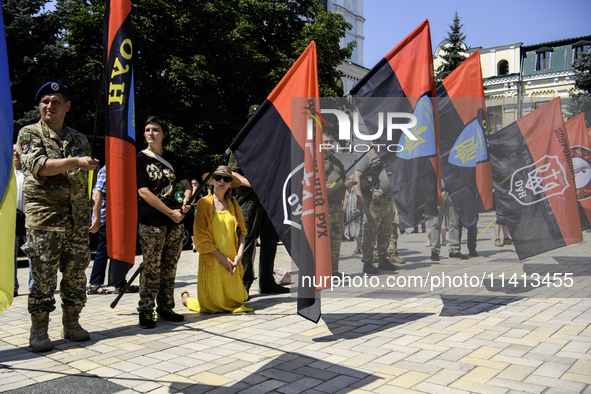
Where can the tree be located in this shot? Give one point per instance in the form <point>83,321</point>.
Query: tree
<point>200,64</point>
<point>35,50</point>
<point>454,50</point>
<point>581,94</point>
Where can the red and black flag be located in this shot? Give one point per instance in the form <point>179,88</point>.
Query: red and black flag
<point>580,148</point>
<point>120,133</point>
<point>406,73</point>
<point>278,151</point>
<point>465,165</point>
<point>533,178</point>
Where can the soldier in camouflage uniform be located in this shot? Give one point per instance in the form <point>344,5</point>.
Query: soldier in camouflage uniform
<point>55,160</point>
<point>393,246</point>
<point>335,180</point>
<point>374,198</point>
<point>164,192</point>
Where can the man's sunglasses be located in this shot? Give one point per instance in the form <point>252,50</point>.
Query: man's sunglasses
<point>226,179</point>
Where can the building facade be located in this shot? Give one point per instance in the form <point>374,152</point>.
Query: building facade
<point>520,78</point>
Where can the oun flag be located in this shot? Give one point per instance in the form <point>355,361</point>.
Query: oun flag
<point>465,166</point>
<point>120,135</point>
<point>7,180</point>
<point>533,176</point>
<point>406,73</point>
<point>285,168</point>
<point>578,138</point>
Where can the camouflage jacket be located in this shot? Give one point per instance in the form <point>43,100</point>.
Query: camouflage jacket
<point>335,177</point>
<point>53,201</point>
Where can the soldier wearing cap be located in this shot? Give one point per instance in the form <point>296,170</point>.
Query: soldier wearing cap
<point>56,160</point>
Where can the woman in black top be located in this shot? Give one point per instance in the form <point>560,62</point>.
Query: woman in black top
<point>160,231</point>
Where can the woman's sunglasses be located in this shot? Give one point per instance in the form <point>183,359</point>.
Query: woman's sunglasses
<point>226,179</point>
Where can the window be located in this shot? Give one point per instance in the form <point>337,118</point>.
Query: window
<point>543,60</point>
<point>538,104</point>
<point>503,67</point>
<point>494,117</point>
<point>580,50</point>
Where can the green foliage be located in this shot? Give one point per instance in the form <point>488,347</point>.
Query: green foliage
<point>36,51</point>
<point>197,63</point>
<point>581,95</point>
<point>453,50</point>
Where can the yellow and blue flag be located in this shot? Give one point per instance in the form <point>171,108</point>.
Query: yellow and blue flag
<point>7,180</point>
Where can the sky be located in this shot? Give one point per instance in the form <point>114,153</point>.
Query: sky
<point>485,24</point>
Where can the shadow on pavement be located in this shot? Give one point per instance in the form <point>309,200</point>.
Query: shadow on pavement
<point>460,305</point>
<point>357,325</point>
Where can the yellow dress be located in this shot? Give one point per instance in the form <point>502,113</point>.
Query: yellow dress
<point>217,289</point>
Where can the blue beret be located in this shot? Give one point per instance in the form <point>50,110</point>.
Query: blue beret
<point>51,88</point>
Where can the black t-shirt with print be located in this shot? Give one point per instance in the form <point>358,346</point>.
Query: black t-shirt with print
<point>161,181</point>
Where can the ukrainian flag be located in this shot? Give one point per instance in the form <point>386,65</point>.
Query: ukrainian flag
<point>7,180</point>
<point>7,234</point>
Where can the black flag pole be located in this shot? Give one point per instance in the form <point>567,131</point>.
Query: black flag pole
<point>208,177</point>
<point>349,169</point>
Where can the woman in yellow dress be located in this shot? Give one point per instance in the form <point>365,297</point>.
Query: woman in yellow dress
<point>217,218</point>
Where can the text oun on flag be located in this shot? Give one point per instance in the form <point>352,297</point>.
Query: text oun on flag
<point>120,152</point>
<point>286,171</point>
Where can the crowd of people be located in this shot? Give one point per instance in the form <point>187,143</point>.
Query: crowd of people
<point>53,162</point>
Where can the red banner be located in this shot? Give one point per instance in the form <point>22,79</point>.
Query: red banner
<point>580,147</point>
<point>406,73</point>
<point>289,177</point>
<point>465,165</point>
<point>533,176</point>
<point>120,133</point>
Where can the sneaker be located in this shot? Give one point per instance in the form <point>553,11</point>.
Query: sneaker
<point>370,269</point>
<point>473,253</point>
<point>458,255</point>
<point>169,314</point>
<point>498,242</point>
<point>356,251</point>
<point>445,242</point>
<point>508,241</point>
<point>428,243</point>
<point>147,319</point>
<point>434,256</point>
<point>386,265</point>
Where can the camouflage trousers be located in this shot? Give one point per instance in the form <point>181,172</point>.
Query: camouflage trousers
<point>376,229</point>
<point>161,249</point>
<point>50,251</point>
<point>393,246</point>
<point>336,219</point>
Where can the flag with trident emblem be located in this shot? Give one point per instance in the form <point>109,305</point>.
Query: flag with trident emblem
<point>533,178</point>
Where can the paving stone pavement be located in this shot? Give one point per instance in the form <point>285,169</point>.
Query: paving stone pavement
<point>479,325</point>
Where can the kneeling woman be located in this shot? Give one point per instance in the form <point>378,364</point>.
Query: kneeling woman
<point>217,217</point>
